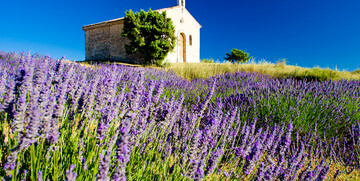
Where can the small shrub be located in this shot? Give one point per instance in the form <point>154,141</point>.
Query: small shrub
<point>281,63</point>
<point>166,64</point>
<point>315,74</point>
<point>356,72</point>
<point>207,60</point>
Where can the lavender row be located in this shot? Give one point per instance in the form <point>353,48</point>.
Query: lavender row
<point>66,121</point>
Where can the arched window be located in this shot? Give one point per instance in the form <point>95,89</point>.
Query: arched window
<point>190,40</point>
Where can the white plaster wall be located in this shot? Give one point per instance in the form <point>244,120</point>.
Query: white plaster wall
<point>188,26</point>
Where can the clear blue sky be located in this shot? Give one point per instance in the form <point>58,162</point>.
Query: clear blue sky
<point>305,32</point>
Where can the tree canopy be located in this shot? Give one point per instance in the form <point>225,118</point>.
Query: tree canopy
<point>239,56</point>
<point>150,33</point>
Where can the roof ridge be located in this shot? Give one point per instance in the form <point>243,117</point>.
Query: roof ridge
<point>122,18</point>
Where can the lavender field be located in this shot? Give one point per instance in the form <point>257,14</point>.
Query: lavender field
<point>66,121</point>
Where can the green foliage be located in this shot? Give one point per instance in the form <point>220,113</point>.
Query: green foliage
<point>166,64</point>
<point>239,56</point>
<point>207,60</point>
<point>315,74</point>
<point>150,33</point>
<point>356,72</point>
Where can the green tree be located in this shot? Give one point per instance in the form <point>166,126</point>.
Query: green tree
<point>150,33</point>
<point>237,56</point>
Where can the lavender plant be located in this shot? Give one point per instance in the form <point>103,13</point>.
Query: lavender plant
<point>62,120</point>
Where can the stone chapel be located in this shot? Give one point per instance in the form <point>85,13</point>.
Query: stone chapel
<point>103,41</point>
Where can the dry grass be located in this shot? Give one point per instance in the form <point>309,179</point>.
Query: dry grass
<point>192,71</point>
<point>279,70</point>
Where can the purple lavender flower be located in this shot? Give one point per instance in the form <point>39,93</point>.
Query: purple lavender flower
<point>193,154</point>
<point>39,176</point>
<point>47,113</point>
<point>105,161</point>
<point>32,131</point>
<point>137,91</point>
<point>25,173</point>
<point>299,166</point>
<point>261,172</point>
<point>60,100</point>
<point>204,105</point>
<point>293,163</point>
<point>3,77</point>
<point>159,92</point>
<point>276,141</point>
<point>70,175</point>
<point>11,161</point>
<point>84,164</point>
<point>286,140</point>
<point>104,166</point>
<point>54,134</point>
<point>307,173</point>
<point>270,171</point>
<point>19,115</point>
<point>270,138</point>
<point>122,151</point>
<point>199,173</point>
<point>279,167</point>
<point>252,158</point>
<point>319,168</point>
<point>90,98</point>
<point>323,173</point>
<point>9,95</point>
<point>213,160</point>
<point>244,139</point>
<point>103,124</point>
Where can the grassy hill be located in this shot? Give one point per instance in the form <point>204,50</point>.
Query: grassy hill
<point>280,70</point>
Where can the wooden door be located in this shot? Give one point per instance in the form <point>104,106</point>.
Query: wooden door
<point>182,48</point>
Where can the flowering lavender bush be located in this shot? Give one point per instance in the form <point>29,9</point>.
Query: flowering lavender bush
<point>65,121</point>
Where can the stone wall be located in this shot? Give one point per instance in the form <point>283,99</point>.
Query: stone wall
<point>104,42</point>
<point>117,46</point>
<point>97,43</point>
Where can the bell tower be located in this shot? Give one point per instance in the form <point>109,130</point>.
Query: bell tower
<point>181,3</point>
